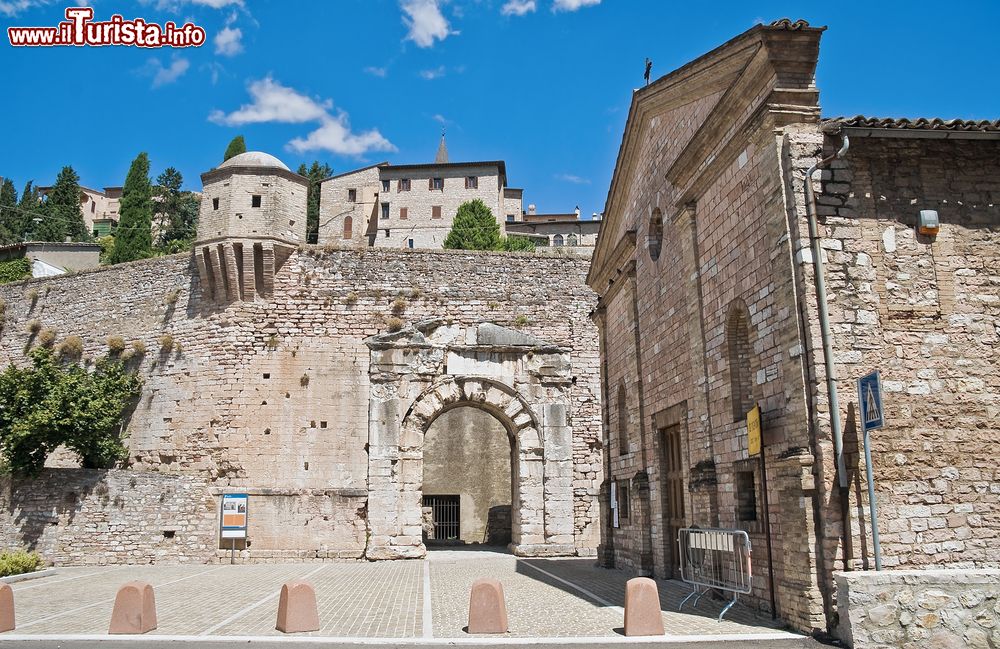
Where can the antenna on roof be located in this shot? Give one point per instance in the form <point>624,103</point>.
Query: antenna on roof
<point>649,68</point>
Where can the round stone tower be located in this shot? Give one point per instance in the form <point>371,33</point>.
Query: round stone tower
<point>253,215</point>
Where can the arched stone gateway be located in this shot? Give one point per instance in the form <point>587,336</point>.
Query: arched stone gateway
<point>423,371</point>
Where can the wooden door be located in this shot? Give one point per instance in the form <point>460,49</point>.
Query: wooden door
<point>672,490</point>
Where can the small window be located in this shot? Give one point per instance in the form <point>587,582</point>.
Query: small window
<point>352,196</point>
<point>215,203</point>
<point>385,211</point>
<point>322,424</point>
<point>404,213</point>
<point>348,227</point>
<point>746,496</point>
<point>510,218</point>
<point>571,240</point>
<point>385,185</point>
<point>409,243</point>
<point>436,184</point>
<point>93,207</point>
<point>557,240</point>
<point>435,211</point>
<point>403,185</point>
<point>255,200</point>
<point>623,502</point>
<point>386,234</point>
<point>472,182</point>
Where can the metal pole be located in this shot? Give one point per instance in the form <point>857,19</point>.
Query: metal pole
<point>824,318</point>
<point>232,551</point>
<point>767,527</point>
<point>872,507</point>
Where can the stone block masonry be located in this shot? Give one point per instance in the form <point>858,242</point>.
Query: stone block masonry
<point>270,395</point>
<point>915,609</point>
<point>86,516</point>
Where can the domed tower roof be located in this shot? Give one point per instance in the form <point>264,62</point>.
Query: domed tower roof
<point>254,159</point>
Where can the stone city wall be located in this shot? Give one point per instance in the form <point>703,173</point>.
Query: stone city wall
<point>270,396</point>
<point>918,609</point>
<point>87,517</point>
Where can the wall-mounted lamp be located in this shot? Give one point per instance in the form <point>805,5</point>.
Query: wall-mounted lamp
<point>928,222</point>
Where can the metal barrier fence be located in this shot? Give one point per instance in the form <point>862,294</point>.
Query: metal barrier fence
<point>714,558</point>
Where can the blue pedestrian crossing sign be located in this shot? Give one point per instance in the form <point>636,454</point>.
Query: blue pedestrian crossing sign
<point>870,400</point>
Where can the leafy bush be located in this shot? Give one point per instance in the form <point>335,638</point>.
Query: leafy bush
<point>19,562</point>
<point>51,404</point>
<point>166,343</point>
<point>33,326</point>
<point>14,269</point>
<point>394,325</point>
<point>398,305</point>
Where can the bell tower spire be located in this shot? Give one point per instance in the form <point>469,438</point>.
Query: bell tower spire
<point>442,154</point>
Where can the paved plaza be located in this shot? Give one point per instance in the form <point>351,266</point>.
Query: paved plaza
<point>421,600</point>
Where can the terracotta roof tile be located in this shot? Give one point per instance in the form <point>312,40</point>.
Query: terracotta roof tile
<point>921,123</point>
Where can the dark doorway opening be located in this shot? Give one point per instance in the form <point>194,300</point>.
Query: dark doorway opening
<point>672,472</point>
<point>442,518</point>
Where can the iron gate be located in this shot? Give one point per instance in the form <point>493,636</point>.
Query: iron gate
<point>445,512</point>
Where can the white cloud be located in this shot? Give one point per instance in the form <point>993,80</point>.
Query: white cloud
<point>435,73</point>
<point>173,5</point>
<point>572,5</point>
<point>376,72</point>
<point>14,7</point>
<point>570,178</point>
<point>441,119</point>
<point>228,42</point>
<point>518,7</point>
<point>166,75</point>
<point>334,135</point>
<point>425,21</point>
<point>273,102</point>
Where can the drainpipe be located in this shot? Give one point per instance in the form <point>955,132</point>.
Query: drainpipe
<point>824,315</point>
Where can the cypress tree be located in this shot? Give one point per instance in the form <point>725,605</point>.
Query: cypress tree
<point>474,228</point>
<point>177,211</point>
<point>8,217</point>
<point>62,216</point>
<point>236,147</point>
<point>133,238</point>
<point>27,207</point>
<point>316,174</point>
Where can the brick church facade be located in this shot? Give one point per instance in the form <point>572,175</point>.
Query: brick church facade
<point>708,305</point>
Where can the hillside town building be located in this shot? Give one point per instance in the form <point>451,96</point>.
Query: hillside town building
<point>707,277</point>
<point>99,208</point>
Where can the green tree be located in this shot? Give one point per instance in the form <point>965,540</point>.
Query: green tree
<point>316,174</point>
<point>51,404</point>
<point>474,228</point>
<point>177,212</point>
<point>9,219</point>
<point>60,214</point>
<point>29,205</point>
<point>133,237</point>
<point>517,244</point>
<point>236,146</point>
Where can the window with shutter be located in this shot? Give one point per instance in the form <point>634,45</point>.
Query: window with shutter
<point>436,212</point>
<point>403,213</point>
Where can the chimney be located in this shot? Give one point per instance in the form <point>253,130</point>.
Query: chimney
<point>577,212</point>
<point>531,209</point>
<point>595,216</point>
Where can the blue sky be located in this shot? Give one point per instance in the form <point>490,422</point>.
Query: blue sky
<point>542,84</point>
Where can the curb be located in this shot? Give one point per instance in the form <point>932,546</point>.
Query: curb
<point>38,574</point>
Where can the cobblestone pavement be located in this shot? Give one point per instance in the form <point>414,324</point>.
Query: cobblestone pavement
<point>545,598</point>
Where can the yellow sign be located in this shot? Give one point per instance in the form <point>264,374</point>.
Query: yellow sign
<point>753,431</point>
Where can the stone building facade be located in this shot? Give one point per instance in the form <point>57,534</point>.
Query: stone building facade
<point>708,306</point>
<point>409,206</point>
<point>306,377</point>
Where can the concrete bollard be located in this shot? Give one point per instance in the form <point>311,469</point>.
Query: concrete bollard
<point>135,609</point>
<point>487,609</point>
<point>642,607</point>
<point>297,608</point>
<point>6,608</point>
